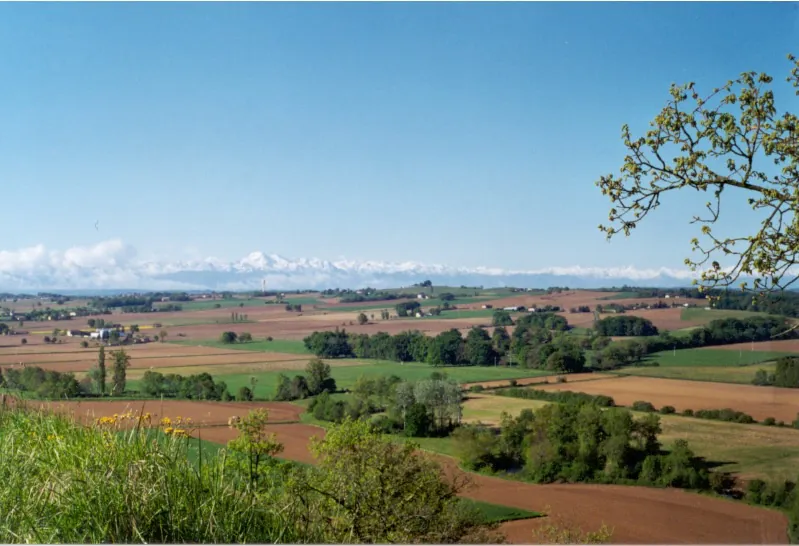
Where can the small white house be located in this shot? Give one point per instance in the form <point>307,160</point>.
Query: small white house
<point>73,314</point>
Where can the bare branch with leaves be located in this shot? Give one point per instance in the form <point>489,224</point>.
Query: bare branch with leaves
<point>711,143</point>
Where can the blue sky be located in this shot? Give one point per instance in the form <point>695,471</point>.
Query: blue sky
<point>459,133</point>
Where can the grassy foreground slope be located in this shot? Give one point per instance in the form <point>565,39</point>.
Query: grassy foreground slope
<point>66,483</point>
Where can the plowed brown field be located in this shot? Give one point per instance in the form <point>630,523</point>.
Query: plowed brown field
<point>781,346</point>
<point>240,357</point>
<point>759,402</point>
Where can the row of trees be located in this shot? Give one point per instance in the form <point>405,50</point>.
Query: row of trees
<point>429,407</point>
<point>194,387</point>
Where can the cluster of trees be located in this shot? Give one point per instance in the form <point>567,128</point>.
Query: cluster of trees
<point>294,307</point>
<point>783,495</point>
<point>580,309</point>
<point>500,317</point>
<point>237,317</point>
<point>786,374</point>
<point>625,326</point>
<point>233,337</point>
<point>194,387</point>
<point>407,308</point>
<point>317,380</point>
<point>429,407</point>
<point>580,442</point>
<point>42,383</point>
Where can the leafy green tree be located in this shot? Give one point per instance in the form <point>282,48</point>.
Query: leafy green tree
<point>319,377</point>
<point>228,337</point>
<point>362,319</point>
<point>254,442</point>
<point>446,349</point>
<point>501,318</point>
<point>244,395</point>
<point>418,423</point>
<point>786,373</point>
<point>121,363</point>
<point>477,349</point>
<point>101,371</point>
<point>245,337</point>
<point>733,139</point>
<point>500,340</point>
<point>370,490</point>
<point>162,334</point>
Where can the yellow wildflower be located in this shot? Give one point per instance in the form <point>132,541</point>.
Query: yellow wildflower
<point>168,430</point>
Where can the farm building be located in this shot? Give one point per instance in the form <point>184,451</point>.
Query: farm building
<point>77,333</point>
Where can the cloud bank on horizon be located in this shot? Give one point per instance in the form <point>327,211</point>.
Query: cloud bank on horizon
<point>113,264</point>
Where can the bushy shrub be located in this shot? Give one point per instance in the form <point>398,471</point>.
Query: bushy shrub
<point>667,410</point>
<point>640,405</point>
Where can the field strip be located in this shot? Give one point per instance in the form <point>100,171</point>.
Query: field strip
<point>759,402</point>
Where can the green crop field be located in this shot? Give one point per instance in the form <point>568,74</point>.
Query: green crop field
<point>203,305</point>
<point>716,374</point>
<point>495,513</point>
<point>700,313</point>
<point>274,346</point>
<point>713,357</point>
<point>346,376</point>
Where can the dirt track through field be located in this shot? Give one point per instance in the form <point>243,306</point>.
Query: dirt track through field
<point>759,402</point>
<point>638,515</point>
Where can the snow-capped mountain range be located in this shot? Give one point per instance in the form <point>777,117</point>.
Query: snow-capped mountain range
<point>114,265</point>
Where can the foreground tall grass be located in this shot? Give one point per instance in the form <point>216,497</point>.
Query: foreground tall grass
<point>123,479</point>
<point>65,483</point>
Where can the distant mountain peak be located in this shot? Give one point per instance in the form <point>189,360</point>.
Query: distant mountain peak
<point>113,264</point>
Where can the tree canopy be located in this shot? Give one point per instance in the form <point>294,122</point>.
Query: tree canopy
<point>733,137</point>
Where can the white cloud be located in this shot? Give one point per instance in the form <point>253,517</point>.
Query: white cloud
<point>113,264</point>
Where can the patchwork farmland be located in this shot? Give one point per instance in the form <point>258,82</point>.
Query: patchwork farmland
<point>192,345</point>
